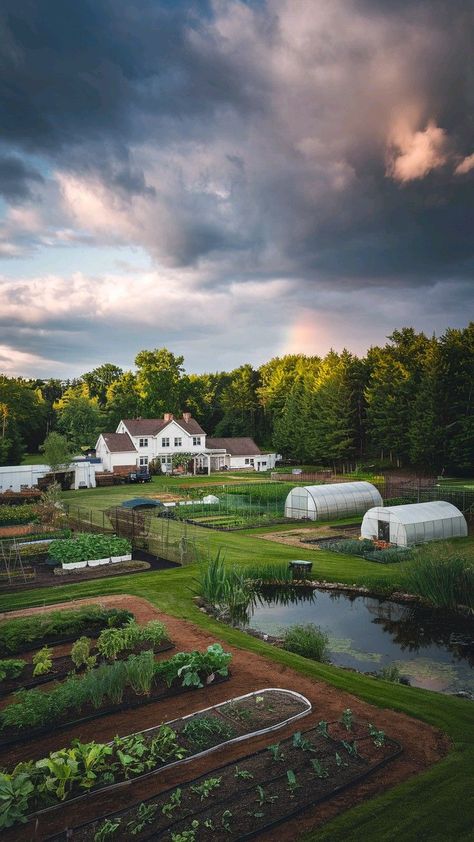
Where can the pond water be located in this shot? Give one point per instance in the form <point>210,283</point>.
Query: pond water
<point>432,649</point>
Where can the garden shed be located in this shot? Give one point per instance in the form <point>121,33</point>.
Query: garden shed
<point>415,523</point>
<point>325,502</point>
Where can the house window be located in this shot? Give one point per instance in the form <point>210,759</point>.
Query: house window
<point>178,442</point>
<point>196,440</point>
<point>165,460</point>
<point>247,461</point>
<point>143,442</point>
<point>165,442</point>
<point>143,461</point>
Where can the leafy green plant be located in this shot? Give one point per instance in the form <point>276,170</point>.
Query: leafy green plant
<point>62,772</point>
<point>226,819</point>
<point>15,794</point>
<point>107,829</point>
<point>206,731</point>
<point>110,642</point>
<point>173,803</point>
<point>85,546</point>
<point>293,784</point>
<point>318,768</point>
<point>145,815</point>
<point>378,737</point>
<point>132,755</point>
<point>209,824</point>
<point>322,729</point>
<point>164,746</point>
<point>301,742</point>
<point>347,719</point>
<point>276,752</point>
<point>192,667</point>
<point>263,798</point>
<point>11,668</point>
<point>43,661</point>
<point>93,762</point>
<point>307,640</point>
<point>340,762</point>
<point>188,835</point>
<point>81,653</point>
<point>243,774</point>
<point>350,747</point>
<point>207,787</point>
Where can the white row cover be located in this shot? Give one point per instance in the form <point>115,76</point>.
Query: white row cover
<point>326,502</point>
<point>415,523</point>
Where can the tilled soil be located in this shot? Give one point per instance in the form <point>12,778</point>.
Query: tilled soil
<point>423,745</point>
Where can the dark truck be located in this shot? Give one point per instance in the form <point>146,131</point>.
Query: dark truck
<point>140,475</point>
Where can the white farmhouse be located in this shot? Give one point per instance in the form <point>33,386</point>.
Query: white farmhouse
<point>137,441</point>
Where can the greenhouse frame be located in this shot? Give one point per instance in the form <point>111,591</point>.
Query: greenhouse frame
<point>416,523</point>
<point>331,501</point>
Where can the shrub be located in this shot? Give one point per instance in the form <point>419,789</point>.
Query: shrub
<point>307,640</point>
<point>11,668</point>
<point>442,575</point>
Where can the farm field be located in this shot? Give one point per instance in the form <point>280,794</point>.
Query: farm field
<point>421,744</point>
<point>423,803</point>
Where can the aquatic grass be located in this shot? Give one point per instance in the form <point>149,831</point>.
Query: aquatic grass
<point>307,640</point>
<point>269,572</point>
<point>443,576</point>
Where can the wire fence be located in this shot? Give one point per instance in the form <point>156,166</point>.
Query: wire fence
<point>160,536</point>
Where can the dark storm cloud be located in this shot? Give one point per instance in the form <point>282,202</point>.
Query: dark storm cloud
<point>327,143</point>
<point>16,178</point>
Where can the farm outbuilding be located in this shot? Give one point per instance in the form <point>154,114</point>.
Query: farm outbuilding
<point>325,502</point>
<point>415,523</point>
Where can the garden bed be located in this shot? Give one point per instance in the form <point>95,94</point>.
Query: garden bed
<point>63,665</point>
<point>131,700</point>
<point>265,789</point>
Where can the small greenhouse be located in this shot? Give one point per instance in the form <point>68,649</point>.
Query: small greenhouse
<point>327,502</point>
<point>414,524</point>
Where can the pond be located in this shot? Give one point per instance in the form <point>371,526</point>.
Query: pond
<point>433,650</point>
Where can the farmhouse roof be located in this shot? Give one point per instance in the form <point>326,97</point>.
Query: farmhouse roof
<point>153,426</point>
<point>235,446</point>
<point>119,443</point>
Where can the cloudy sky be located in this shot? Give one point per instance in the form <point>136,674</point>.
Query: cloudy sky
<point>233,180</point>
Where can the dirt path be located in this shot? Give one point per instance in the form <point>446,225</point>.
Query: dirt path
<point>422,744</point>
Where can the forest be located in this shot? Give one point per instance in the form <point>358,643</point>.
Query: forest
<point>409,403</point>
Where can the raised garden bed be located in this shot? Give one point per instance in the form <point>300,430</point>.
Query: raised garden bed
<point>239,801</point>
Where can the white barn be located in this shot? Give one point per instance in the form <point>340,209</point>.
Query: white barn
<point>414,524</point>
<point>327,502</point>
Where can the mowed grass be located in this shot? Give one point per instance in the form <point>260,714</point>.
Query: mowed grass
<point>436,805</point>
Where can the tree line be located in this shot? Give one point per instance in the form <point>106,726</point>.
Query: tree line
<point>408,403</point>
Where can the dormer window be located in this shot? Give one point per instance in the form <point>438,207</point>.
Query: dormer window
<point>143,442</point>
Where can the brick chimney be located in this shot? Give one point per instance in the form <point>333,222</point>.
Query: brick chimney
<point>168,416</point>
<point>187,417</point>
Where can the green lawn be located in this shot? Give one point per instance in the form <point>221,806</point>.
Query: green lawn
<point>33,459</point>
<point>437,805</point>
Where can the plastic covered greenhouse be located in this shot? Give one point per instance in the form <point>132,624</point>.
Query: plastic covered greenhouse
<point>415,523</point>
<point>327,502</point>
